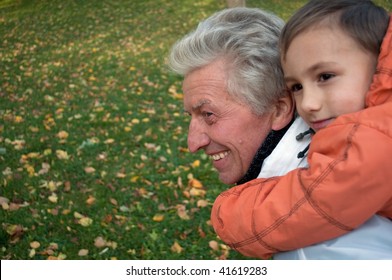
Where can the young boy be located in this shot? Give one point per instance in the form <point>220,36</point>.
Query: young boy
<point>329,55</point>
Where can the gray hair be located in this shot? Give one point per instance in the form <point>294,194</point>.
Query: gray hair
<point>247,40</point>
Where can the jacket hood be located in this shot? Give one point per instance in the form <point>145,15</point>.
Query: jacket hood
<point>380,89</point>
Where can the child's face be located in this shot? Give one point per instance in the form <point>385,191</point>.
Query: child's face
<point>328,74</point>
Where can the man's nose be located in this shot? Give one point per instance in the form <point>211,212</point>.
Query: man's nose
<point>197,137</point>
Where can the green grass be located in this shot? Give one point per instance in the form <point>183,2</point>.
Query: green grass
<point>93,158</point>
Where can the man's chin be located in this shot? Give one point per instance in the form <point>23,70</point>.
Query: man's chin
<point>228,179</point>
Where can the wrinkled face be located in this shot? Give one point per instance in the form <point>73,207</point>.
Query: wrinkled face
<point>223,127</point>
<point>328,74</point>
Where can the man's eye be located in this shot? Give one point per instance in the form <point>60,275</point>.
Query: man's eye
<point>325,76</point>
<point>207,114</point>
<point>209,118</point>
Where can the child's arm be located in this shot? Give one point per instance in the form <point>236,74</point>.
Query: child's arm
<point>348,181</point>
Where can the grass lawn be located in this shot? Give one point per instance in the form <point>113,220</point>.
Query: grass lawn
<point>93,154</point>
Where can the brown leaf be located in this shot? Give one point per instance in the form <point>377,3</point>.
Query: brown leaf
<point>213,245</point>
<point>113,201</point>
<point>35,245</point>
<point>90,200</point>
<point>202,203</point>
<point>182,212</point>
<point>99,242</point>
<point>89,169</point>
<point>176,248</point>
<point>83,252</point>
<point>202,234</point>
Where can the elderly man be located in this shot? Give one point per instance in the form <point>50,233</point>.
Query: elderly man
<point>244,119</point>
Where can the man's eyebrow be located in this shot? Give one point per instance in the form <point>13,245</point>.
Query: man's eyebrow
<point>197,106</point>
<point>200,103</point>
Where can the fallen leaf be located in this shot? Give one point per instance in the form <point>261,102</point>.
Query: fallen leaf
<point>197,192</point>
<point>202,203</point>
<point>121,175</point>
<point>213,245</point>
<point>176,248</point>
<point>85,221</point>
<point>62,134</point>
<point>53,198</point>
<point>89,169</point>
<point>194,183</point>
<point>77,215</point>
<point>83,252</point>
<point>182,212</point>
<point>32,253</point>
<point>35,245</point>
<point>158,217</point>
<point>4,200</point>
<point>90,200</point>
<point>109,141</point>
<point>113,201</point>
<point>62,155</point>
<point>99,242</point>
<point>196,163</point>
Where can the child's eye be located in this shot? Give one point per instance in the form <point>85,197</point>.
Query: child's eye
<point>295,88</point>
<point>326,76</point>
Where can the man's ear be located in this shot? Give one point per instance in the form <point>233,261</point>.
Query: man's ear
<point>284,112</point>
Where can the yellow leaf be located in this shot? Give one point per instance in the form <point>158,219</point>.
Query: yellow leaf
<point>109,141</point>
<point>30,170</point>
<point>176,248</point>
<point>33,155</point>
<point>92,78</point>
<point>158,217</point>
<point>85,221</point>
<point>196,163</point>
<point>63,155</point>
<point>194,183</point>
<point>18,119</point>
<point>77,215</point>
<point>134,179</point>
<point>32,253</point>
<point>53,198</point>
<point>197,192</point>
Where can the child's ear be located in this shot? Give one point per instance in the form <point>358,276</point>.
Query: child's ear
<point>284,112</point>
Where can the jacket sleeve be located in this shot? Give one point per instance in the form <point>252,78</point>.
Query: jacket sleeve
<point>348,181</point>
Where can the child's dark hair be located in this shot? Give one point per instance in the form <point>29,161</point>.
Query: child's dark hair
<point>364,21</point>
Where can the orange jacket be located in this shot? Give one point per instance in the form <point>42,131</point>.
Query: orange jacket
<point>349,179</point>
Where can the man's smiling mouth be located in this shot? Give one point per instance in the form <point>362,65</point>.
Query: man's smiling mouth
<point>220,156</point>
